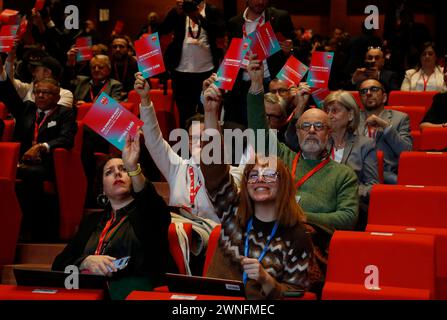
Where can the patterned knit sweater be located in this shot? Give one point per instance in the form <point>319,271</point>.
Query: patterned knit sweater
<point>289,253</point>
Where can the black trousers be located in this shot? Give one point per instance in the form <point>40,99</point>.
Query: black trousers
<point>187,88</point>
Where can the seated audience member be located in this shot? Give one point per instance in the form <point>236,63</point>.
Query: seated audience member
<point>134,223</point>
<point>184,176</point>
<point>350,148</point>
<point>275,110</point>
<point>88,89</point>
<point>124,66</point>
<point>427,76</point>
<point>374,69</point>
<point>40,127</point>
<point>327,191</point>
<point>436,116</point>
<point>390,129</point>
<point>45,67</point>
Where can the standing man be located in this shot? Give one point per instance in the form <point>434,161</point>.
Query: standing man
<point>124,66</point>
<point>256,14</point>
<point>193,55</point>
<point>390,129</point>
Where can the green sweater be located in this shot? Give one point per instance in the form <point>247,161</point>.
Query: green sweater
<point>330,197</point>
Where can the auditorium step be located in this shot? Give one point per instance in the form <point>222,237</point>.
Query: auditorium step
<point>7,273</point>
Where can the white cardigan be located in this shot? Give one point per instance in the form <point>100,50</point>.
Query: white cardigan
<point>414,81</point>
<point>175,169</point>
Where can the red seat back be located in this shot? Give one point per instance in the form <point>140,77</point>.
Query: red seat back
<point>380,165</point>
<point>405,261</point>
<point>174,245</point>
<point>9,157</point>
<point>433,139</point>
<point>212,245</point>
<point>411,98</point>
<point>134,98</point>
<point>3,111</point>
<point>8,132</point>
<point>408,206</point>
<point>422,168</point>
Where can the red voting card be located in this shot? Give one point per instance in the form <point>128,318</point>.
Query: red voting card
<point>320,69</point>
<point>263,43</point>
<point>39,5</point>
<point>319,94</point>
<point>84,45</point>
<point>119,26</point>
<point>228,70</point>
<point>9,16</point>
<point>7,35</point>
<point>112,121</point>
<point>22,28</point>
<point>149,56</point>
<point>293,71</point>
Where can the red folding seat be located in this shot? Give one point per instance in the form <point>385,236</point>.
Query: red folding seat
<point>416,114</point>
<point>3,111</point>
<point>433,139</point>
<point>8,131</point>
<point>212,245</point>
<point>9,157</point>
<point>413,210</point>
<point>422,168</point>
<point>411,98</point>
<point>403,266</point>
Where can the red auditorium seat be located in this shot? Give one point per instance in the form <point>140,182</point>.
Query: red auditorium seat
<point>422,168</point>
<point>413,210</point>
<point>3,111</point>
<point>71,185</point>
<point>380,165</point>
<point>8,131</point>
<point>212,244</point>
<point>433,139</point>
<point>405,263</point>
<point>416,114</point>
<point>174,245</point>
<point>134,98</point>
<point>356,96</point>
<point>411,98</point>
<point>9,157</point>
<point>416,135</point>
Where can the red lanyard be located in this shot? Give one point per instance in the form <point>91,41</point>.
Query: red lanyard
<point>332,153</point>
<point>425,81</point>
<point>193,191</point>
<point>372,132</point>
<point>310,173</point>
<point>102,89</point>
<point>37,126</point>
<point>107,234</point>
<point>117,77</point>
<point>260,22</point>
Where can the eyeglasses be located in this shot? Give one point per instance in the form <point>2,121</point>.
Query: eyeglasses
<point>281,91</point>
<point>305,126</point>
<point>44,92</point>
<point>373,89</point>
<point>268,176</point>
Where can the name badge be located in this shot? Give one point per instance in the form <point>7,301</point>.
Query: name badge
<point>51,124</point>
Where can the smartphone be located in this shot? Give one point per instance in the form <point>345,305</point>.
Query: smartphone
<point>120,264</point>
<point>370,64</point>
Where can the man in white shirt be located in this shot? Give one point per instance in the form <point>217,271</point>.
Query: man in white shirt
<point>193,54</point>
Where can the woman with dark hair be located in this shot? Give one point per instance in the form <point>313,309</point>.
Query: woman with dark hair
<point>134,224</point>
<point>428,75</point>
<point>263,239</point>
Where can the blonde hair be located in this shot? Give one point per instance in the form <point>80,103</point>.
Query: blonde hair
<point>346,100</point>
<point>274,99</point>
<point>102,58</point>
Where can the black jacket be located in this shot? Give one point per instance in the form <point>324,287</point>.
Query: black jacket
<point>213,24</point>
<point>58,130</point>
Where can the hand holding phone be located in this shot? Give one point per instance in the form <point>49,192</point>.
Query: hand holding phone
<point>120,264</point>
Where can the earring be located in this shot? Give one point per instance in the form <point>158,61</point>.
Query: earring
<point>102,200</point>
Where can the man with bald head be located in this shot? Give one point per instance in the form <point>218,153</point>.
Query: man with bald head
<point>390,129</point>
<point>326,190</point>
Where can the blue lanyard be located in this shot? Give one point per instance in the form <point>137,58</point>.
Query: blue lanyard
<point>269,239</point>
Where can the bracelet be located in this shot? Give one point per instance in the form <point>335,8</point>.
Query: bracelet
<point>136,172</point>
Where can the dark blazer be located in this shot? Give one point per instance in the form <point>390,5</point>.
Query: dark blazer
<point>82,83</point>
<point>281,22</point>
<point>58,130</point>
<point>213,24</point>
<point>390,80</point>
<point>437,114</point>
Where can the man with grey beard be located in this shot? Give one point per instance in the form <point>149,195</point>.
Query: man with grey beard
<point>326,190</point>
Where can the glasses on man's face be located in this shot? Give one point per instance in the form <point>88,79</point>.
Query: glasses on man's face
<point>373,89</point>
<point>268,176</point>
<point>43,92</point>
<point>280,91</point>
<point>305,126</point>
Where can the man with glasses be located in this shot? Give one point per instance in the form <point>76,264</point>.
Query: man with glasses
<point>373,69</point>
<point>326,190</point>
<point>40,127</point>
<point>390,129</point>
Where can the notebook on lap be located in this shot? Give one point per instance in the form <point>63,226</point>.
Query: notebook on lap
<point>202,285</point>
